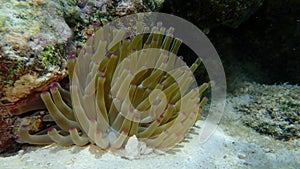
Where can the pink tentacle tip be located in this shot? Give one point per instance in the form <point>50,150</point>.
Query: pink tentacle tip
<point>24,126</point>
<point>98,132</point>
<point>51,129</point>
<point>161,116</point>
<point>166,132</point>
<point>72,129</point>
<point>53,86</point>
<point>158,121</point>
<point>71,57</point>
<point>44,92</point>
<point>137,118</point>
<point>17,138</point>
<point>97,25</point>
<point>14,111</point>
<point>125,132</point>
<point>90,34</point>
<point>93,121</point>
<point>114,55</point>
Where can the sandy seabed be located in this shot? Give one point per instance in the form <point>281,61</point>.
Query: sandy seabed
<point>232,146</point>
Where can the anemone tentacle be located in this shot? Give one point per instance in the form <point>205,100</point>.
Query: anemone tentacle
<point>123,86</point>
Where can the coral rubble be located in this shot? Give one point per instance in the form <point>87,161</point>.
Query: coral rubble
<point>273,110</point>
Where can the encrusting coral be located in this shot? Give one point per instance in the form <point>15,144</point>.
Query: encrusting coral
<point>121,87</point>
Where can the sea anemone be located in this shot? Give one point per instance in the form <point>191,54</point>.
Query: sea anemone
<point>123,86</point>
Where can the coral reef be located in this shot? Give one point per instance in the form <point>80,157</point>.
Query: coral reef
<point>89,14</point>
<point>120,89</point>
<point>273,110</point>
<point>29,29</point>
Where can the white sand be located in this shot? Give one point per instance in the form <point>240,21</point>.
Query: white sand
<point>231,146</point>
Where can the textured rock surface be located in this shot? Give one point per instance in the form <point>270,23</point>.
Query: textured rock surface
<point>271,39</point>
<point>256,39</point>
<point>265,48</point>
<point>272,110</point>
<point>212,13</point>
<point>31,33</point>
<point>7,143</point>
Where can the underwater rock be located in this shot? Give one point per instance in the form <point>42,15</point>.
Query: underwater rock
<point>7,142</point>
<point>34,33</point>
<point>271,39</point>
<point>91,9</point>
<point>84,16</point>
<point>265,48</point>
<point>213,13</point>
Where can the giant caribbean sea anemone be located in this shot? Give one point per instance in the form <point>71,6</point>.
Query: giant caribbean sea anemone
<point>123,85</point>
